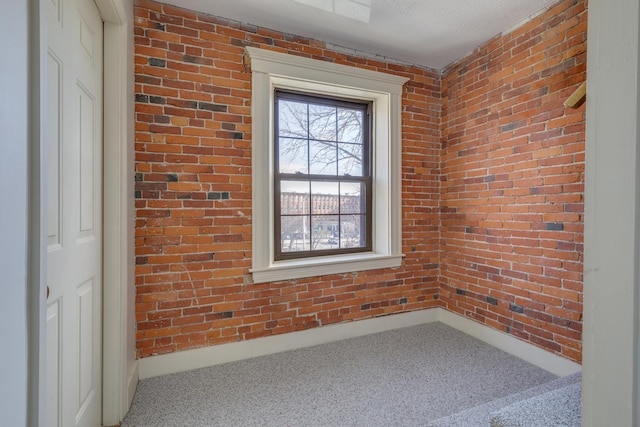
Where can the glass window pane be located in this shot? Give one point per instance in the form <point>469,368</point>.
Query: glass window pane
<point>295,233</point>
<point>324,198</point>
<point>323,158</point>
<point>350,125</point>
<point>294,198</point>
<point>316,138</point>
<point>292,119</point>
<point>322,122</point>
<point>352,233</point>
<point>350,159</point>
<point>325,231</point>
<point>352,198</point>
<point>293,155</point>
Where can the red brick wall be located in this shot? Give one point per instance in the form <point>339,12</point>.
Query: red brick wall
<point>492,187</point>
<point>513,181</point>
<point>193,192</point>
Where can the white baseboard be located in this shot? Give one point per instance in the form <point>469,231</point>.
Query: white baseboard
<point>132,384</point>
<point>209,356</point>
<point>546,360</point>
<point>215,355</point>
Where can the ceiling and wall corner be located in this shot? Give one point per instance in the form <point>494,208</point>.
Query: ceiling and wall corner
<point>427,33</point>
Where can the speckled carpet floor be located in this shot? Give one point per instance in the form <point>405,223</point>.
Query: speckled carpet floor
<point>405,377</point>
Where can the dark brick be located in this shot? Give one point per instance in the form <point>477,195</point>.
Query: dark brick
<point>468,152</point>
<point>516,308</point>
<point>491,300</point>
<point>156,62</point>
<point>508,127</point>
<point>221,315</point>
<point>212,107</point>
<point>157,100</point>
<point>238,42</point>
<point>172,177</point>
<point>461,291</point>
<point>403,301</point>
<point>557,226</point>
<point>248,28</point>
<point>142,98</point>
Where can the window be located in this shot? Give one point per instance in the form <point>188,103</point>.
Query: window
<point>322,153</point>
<point>326,200</point>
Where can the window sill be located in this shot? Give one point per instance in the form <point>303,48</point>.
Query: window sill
<point>296,269</point>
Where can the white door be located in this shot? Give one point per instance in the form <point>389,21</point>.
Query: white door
<point>74,213</point>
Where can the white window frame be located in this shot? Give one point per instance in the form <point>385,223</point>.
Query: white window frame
<point>274,70</point>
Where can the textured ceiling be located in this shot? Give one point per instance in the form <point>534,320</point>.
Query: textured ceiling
<point>430,33</point>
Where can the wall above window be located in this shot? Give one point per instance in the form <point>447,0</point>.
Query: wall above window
<point>428,33</point>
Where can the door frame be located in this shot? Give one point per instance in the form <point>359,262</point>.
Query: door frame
<point>119,366</point>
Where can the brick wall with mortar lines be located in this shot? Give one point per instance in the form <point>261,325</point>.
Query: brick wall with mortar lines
<point>513,182</point>
<point>193,191</point>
